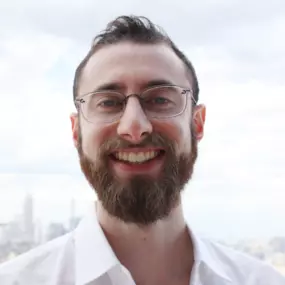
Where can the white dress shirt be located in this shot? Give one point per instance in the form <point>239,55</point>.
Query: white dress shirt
<point>84,257</point>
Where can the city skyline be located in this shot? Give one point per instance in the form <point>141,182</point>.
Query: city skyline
<point>23,234</point>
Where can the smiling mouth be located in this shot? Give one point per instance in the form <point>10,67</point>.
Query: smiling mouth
<point>139,157</point>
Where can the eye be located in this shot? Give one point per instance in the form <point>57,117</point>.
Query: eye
<point>107,100</point>
<point>159,100</point>
<point>110,103</point>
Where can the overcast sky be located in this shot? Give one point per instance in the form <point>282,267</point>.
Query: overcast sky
<point>238,50</point>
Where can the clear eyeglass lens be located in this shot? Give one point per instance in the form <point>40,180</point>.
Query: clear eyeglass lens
<point>158,102</point>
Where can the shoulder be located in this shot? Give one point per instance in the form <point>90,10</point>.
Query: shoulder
<point>242,268</point>
<point>37,265</point>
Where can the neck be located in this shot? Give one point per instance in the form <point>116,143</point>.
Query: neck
<point>161,252</point>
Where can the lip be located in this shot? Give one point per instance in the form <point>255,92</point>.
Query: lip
<point>126,170</point>
<point>137,150</point>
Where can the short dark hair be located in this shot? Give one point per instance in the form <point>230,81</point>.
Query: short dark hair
<point>136,29</point>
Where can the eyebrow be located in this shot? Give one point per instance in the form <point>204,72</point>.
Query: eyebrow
<point>158,82</point>
<point>116,86</point>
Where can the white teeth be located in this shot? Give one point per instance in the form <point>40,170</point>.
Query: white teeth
<point>124,156</point>
<point>136,157</point>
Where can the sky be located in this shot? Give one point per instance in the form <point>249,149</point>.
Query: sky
<point>238,50</point>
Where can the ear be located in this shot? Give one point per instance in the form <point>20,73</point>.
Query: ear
<point>199,117</point>
<point>75,128</point>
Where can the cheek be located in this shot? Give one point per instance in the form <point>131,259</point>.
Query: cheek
<point>93,136</point>
<point>89,143</point>
<point>185,139</point>
<point>178,130</point>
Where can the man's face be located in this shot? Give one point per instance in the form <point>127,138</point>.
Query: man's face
<point>111,154</point>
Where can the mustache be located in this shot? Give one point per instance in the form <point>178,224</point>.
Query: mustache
<point>153,140</point>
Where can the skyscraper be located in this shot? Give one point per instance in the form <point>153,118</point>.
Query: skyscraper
<point>28,218</point>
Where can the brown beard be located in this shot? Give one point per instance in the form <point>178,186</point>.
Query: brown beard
<point>142,200</point>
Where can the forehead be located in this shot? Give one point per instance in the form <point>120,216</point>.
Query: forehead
<point>132,66</point>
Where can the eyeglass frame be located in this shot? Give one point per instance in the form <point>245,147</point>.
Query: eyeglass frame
<point>187,90</point>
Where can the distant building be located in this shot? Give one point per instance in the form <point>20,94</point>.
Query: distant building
<point>55,230</point>
<point>2,233</point>
<point>28,219</point>
<point>73,219</point>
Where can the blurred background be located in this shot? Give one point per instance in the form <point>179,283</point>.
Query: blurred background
<point>237,195</point>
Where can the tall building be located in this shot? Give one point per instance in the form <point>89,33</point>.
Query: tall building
<point>2,233</point>
<point>28,218</point>
<point>73,219</point>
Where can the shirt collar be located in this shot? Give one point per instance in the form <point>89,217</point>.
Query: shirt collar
<point>94,256</point>
<point>205,254</point>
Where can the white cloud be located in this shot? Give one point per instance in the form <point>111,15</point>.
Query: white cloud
<point>35,118</point>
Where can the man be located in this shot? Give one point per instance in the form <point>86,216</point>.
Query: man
<point>136,132</point>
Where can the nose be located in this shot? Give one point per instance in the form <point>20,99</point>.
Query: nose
<point>134,126</point>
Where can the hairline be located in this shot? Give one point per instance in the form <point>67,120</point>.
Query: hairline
<point>80,69</point>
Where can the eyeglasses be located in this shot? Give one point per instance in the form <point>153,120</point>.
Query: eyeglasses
<point>159,102</point>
